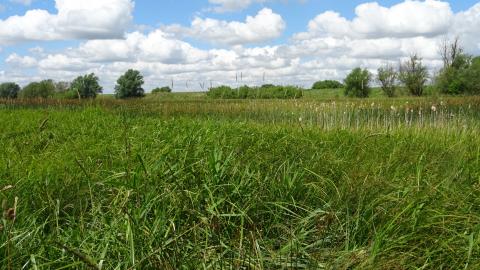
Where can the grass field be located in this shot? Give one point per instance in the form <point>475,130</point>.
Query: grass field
<point>179,181</point>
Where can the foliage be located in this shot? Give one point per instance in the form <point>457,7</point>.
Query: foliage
<point>413,74</point>
<point>387,76</point>
<point>263,92</point>
<point>43,89</point>
<point>472,77</point>
<point>462,77</point>
<point>327,84</point>
<point>357,83</point>
<point>86,86</point>
<point>165,89</point>
<point>9,90</point>
<point>62,87</point>
<point>130,85</point>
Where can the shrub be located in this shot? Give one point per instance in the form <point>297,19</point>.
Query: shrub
<point>387,76</point>
<point>357,83</point>
<point>43,89</point>
<point>165,89</point>
<point>222,91</point>
<point>414,75</point>
<point>327,84</point>
<point>9,90</point>
<point>86,86</point>
<point>129,85</point>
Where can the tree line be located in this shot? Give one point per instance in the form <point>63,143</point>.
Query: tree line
<point>129,85</point>
<point>460,74</point>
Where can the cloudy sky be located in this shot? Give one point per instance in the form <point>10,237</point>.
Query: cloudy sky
<point>195,43</point>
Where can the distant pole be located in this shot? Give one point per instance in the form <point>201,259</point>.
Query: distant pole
<point>172,83</point>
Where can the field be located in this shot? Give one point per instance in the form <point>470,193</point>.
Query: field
<point>180,181</point>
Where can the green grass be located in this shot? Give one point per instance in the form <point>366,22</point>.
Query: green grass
<point>192,183</point>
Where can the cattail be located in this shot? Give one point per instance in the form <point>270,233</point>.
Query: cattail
<point>434,109</point>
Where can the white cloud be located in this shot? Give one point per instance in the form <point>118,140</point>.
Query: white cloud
<point>266,25</point>
<point>21,61</point>
<point>86,19</point>
<point>406,19</point>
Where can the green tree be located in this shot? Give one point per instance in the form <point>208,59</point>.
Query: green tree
<point>130,85</point>
<point>9,90</point>
<point>413,74</point>
<point>472,77</point>
<point>327,84</point>
<point>451,79</point>
<point>165,89</point>
<point>387,76</point>
<point>357,83</point>
<point>43,89</point>
<point>86,86</point>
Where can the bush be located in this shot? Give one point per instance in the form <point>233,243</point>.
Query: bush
<point>86,86</point>
<point>263,92</point>
<point>9,90</point>
<point>43,89</point>
<point>357,83</point>
<point>414,75</point>
<point>129,85</point>
<point>165,89</point>
<point>222,91</point>
<point>327,84</point>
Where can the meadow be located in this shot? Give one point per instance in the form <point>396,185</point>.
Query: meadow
<point>181,181</point>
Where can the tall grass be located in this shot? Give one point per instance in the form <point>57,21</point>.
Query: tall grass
<point>241,184</point>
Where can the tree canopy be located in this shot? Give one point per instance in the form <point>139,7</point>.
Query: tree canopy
<point>129,85</point>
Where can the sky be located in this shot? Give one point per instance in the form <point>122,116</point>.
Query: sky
<point>195,44</point>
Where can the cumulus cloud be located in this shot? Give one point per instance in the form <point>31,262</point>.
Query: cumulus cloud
<point>264,26</point>
<point>406,19</point>
<point>21,61</point>
<point>86,19</point>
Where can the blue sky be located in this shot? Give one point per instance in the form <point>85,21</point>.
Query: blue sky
<point>294,41</point>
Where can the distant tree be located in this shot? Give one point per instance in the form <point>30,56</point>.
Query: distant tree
<point>9,90</point>
<point>62,87</point>
<point>43,89</point>
<point>357,83</point>
<point>450,51</point>
<point>130,85</point>
<point>472,77</point>
<point>266,86</point>
<point>387,76</point>
<point>413,74</point>
<point>165,89</point>
<point>327,84</point>
<point>451,79</point>
<point>86,86</point>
